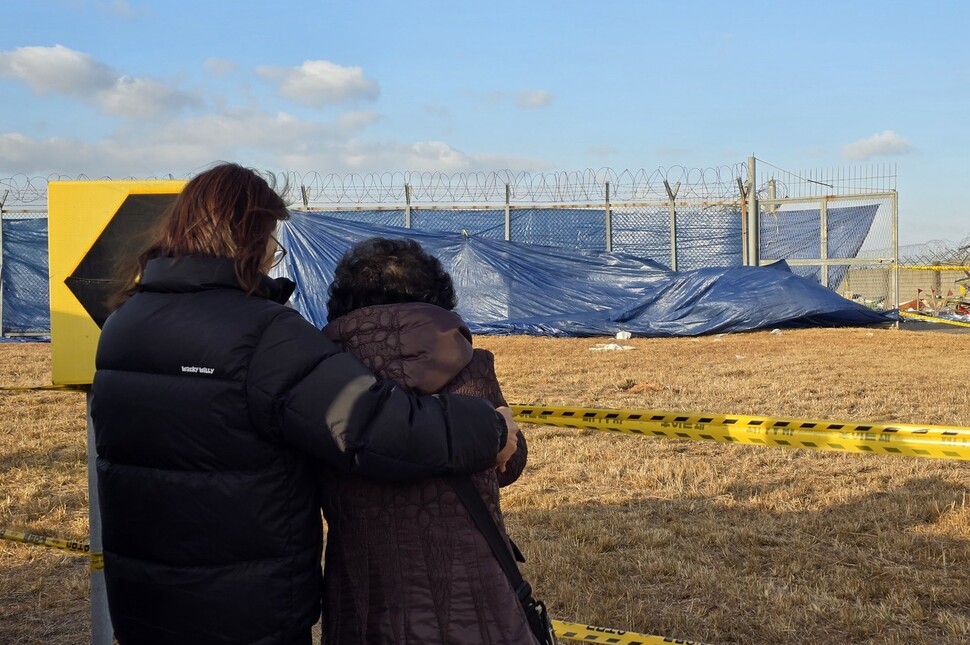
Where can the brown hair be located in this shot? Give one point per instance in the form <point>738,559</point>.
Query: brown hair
<point>227,211</point>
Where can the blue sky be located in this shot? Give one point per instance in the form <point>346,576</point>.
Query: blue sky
<point>124,88</point>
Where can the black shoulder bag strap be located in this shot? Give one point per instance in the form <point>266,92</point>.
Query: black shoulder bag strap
<point>535,610</point>
<point>483,519</point>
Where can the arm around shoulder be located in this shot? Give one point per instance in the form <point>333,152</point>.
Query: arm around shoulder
<point>309,393</point>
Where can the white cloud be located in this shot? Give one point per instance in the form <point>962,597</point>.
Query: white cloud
<point>240,129</point>
<point>61,70</point>
<point>420,156</point>
<point>23,154</point>
<point>219,66</point>
<point>143,98</point>
<point>56,69</point>
<point>320,82</point>
<point>177,146</point>
<point>272,141</point>
<point>528,99</point>
<point>180,141</point>
<point>881,144</point>
<point>429,155</point>
<point>357,121</point>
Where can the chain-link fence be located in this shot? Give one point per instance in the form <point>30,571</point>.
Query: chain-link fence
<point>838,227</point>
<point>845,243</point>
<point>934,277</point>
<point>24,286</point>
<point>682,237</point>
<point>838,230</point>
<point>679,217</point>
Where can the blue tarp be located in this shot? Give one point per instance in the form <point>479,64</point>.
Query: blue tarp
<point>795,234</point>
<point>507,287</point>
<point>566,287</point>
<point>26,290</point>
<point>706,237</point>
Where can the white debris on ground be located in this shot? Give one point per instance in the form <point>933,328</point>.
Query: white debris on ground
<point>610,347</point>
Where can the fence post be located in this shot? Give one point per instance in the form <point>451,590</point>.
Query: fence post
<point>754,237</point>
<point>895,272</point>
<point>2,202</point>
<point>744,222</point>
<point>672,207</point>
<point>101,630</point>
<point>773,195</point>
<point>609,220</point>
<point>824,239</point>
<point>306,197</point>
<point>407,205</point>
<point>508,213</point>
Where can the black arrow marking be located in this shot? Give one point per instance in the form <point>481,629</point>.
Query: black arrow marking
<point>98,275</point>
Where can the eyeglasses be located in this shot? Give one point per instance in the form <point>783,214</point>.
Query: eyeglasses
<point>278,254</point>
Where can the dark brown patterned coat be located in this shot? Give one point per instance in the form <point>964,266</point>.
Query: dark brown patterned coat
<point>406,563</point>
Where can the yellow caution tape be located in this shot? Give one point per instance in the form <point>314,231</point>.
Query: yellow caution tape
<point>574,631</point>
<point>945,321</point>
<point>943,442</point>
<point>935,267</point>
<point>593,634</point>
<point>28,388</point>
<point>74,546</point>
<point>42,540</point>
<point>97,562</point>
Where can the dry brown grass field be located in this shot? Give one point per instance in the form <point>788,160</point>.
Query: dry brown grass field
<point>709,542</point>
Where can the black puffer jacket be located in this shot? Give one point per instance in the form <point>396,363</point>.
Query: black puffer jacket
<point>205,404</point>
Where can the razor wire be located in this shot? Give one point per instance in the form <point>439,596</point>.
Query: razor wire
<point>696,186</point>
<point>936,252</point>
<point>589,185</point>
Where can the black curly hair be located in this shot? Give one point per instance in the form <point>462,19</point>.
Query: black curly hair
<point>382,271</point>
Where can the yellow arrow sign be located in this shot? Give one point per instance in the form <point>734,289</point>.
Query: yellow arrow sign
<point>92,226</point>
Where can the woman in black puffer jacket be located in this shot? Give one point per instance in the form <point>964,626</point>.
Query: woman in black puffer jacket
<point>209,399</point>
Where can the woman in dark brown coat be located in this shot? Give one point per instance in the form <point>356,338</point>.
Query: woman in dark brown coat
<point>406,564</point>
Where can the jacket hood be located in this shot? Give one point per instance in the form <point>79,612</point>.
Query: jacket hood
<point>422,347</point>
<point>198,273</point>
